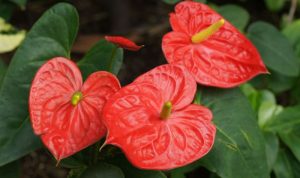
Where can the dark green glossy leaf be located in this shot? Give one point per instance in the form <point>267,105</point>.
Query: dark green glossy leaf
<point>237,15</point>
<point>51,36</point>
<point>239,145</point>
<point>274,48</point>
<point>11,170</point>
<point>133,172</point>
<point>103,56</point>
<point>72,163</point>
<point>272,148</point>
<point>286,165</point>
<point>103,170</point>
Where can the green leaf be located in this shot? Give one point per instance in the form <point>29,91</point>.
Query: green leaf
<point>77,172</point>
<point>133,172</point>
<point>275,5</point>
<point>103,170</point>
<point>291,31</point>
<point>267,111</point>
<point>239,145</point>
<point>20,3</point>
<point>274,48</point>
<point>238,16</point>
<point>6,10</point>
<point>291,137</point>
<point>3,68</point>
<point>285,121</point>
<point>72,163</point>
<point>272,148</point>
<point>11,170</point>
<point>286,165</point>
<point>52,35</point>
<point>176,174</point>
<point>252,94</point>
<point>103,56</point>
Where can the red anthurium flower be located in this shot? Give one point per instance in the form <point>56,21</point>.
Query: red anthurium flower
<point>212,49</point>
<point>123,43</point>
<point>153,121</point>
<point>65,112</point>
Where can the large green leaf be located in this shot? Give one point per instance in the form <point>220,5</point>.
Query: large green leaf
<point>286,165</point>
<point>11,170</point>
<point>239,145</point>
<point>103,170</point>
<point>103,56</point>
<point>238,16</point>
<point>52,35</point>
<point>274,48</point>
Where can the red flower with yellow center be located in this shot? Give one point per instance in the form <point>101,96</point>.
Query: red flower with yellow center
<point>65,112</point>
<point>153,121</point>
<point>212,49</point>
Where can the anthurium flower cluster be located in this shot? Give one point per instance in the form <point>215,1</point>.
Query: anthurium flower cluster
<point>152,119</point>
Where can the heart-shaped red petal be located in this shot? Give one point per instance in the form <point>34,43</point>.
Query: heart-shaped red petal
<point>132,117</point>
<point>66,128</point>
<point>226,59</point>
<point>176,83</point>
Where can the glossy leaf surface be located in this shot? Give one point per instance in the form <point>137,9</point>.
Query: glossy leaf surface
<point>239,145</point>
<point>274,48</point>
<point>103,170</point>
<point>148,141</point>
<point>102,56</point>
<point>226,59</point>
<point>123,43</point>
<point>41,44</point>
<point>236,15</point>
<point>66,128</point>
<point>132,172</point>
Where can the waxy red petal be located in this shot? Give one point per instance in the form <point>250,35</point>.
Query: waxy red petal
<point>123,43</point>
<point>132,118</point>
<point>66,129</point>
<point>225,59</point>
<point>175,82</point>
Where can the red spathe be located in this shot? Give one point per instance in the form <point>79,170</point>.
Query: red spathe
<point>226,59</point>
<point>64,128</point>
